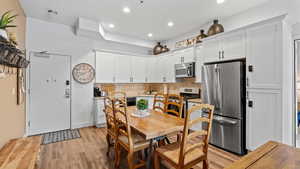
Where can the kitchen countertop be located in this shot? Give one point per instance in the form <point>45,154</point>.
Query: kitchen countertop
<point>195,100</point>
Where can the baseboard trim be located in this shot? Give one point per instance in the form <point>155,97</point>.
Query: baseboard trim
<point>82,125</point>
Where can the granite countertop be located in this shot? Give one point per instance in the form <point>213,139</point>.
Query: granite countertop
<point>195,100</point>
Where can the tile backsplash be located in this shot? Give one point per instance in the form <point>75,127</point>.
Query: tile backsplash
<point>141,89</point>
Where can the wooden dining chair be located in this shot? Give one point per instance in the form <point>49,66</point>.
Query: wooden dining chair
<point>188,153</point>
<point>174,105</point>
<point>120,96</point>
<point>126,138</point>
<point>159,102</point>
<point>110,123</point>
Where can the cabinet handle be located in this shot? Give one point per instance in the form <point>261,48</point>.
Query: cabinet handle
<point>219,54</point>
<point>247,95</point>
<point>223,54</point>
<point>247,82</point>
<point>250,103</point>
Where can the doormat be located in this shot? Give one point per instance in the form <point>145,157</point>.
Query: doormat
<point>59,136</point>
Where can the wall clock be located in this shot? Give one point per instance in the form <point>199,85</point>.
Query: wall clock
<point>83,73</point>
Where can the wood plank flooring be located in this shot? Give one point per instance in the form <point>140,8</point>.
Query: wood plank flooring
<point>20,153</point>
<point>87,152</point>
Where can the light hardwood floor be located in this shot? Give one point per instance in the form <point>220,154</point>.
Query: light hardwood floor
<point>87,152</point>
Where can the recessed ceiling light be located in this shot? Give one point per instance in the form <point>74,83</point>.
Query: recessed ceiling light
<point>220,1</point>
<point>150,35</point>
<point>111,25</point>
<point>170,24</point>
<point>126,9</point>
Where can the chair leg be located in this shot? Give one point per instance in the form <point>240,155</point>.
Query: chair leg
<point>117,155</point>
<point>108,144</point>
<point>130,160</point>
<point>156,161</point>
<point>205,164</point>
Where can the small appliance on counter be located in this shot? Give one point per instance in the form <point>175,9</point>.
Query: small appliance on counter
<point>99,93</point>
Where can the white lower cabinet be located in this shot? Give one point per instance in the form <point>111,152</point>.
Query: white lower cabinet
<point>263,117</point>
<point>99,119</point>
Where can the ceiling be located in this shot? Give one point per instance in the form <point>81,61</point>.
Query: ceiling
<point>151,16</point>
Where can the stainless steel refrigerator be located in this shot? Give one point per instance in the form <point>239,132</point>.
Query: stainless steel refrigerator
<point>224,87</point>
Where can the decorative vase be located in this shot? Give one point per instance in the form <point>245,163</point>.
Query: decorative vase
<point>215,28</point>
<point>157,49</point>
<point>201,36</point>
<point>165,49</point>
<point>3,33</point>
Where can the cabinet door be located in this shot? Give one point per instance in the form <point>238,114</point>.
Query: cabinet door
<point>199,64</point>
<point>152,70</point>
<point>188,55</point>
<point>178,59</point>
<point>105,67</point>
<point>138,69</point>
<point>170,62</point>
<point>263,54</point>
<point>162,68</point>
<point>263,118</point>
<point>234,46</point>
<point>123,69</point>
<point>211,50</point>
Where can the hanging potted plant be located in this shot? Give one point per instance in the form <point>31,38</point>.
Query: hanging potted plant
<point>5,22</point>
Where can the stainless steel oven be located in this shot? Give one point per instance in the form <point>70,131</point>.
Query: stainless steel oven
<point>185,70</point>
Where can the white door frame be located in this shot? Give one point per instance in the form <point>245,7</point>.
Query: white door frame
<point>27,109</point>
<point>296,39</point>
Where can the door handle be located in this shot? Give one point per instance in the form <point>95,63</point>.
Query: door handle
<point>67,93</point>
<point>250,68</point>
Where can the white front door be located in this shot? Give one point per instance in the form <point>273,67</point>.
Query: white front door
<point>49,85</point>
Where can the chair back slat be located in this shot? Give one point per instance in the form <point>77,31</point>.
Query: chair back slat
<point>109,114</point>
<point>174,105</point>
<point>122,126</point>
<point>159,102</point>
<point>204,134</point>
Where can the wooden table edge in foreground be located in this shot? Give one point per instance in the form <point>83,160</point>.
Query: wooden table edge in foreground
<point>260,157</point>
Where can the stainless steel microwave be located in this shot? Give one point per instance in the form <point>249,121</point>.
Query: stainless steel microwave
<point>185,70</point>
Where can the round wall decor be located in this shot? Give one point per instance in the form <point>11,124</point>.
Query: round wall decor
<point>83,73</point>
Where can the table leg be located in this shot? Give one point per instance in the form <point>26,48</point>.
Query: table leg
<point>150,152</point>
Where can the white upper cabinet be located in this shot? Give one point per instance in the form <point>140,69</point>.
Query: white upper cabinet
<point>184,56</point>
<point>263,118</point>
<point>105,67</point>
<point>199,64</point>
<point>225,47</point>
<point>123,69</point>
<point>211,50</point>
<point>138,69</point>
<point>152,72</point>
<point>233,46</point>
<point>263,57</point>
<point>166,67</point>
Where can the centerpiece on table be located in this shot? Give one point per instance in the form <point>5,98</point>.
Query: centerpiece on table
<point>142,108</point>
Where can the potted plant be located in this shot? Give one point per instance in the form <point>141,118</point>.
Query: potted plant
<point>5,22</point>
<point>142,105</point>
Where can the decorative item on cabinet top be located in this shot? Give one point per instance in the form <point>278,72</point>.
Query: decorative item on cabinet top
<point>186,43</point>
<point>215,28</point>
<point>83,73</point>
<point>201,36</point>
<point>157,49</point>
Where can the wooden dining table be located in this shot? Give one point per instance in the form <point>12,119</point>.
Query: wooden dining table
<point>272,155</point>
<point>154,126</point>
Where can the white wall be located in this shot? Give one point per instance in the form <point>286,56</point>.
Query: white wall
<point>60,39</point>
